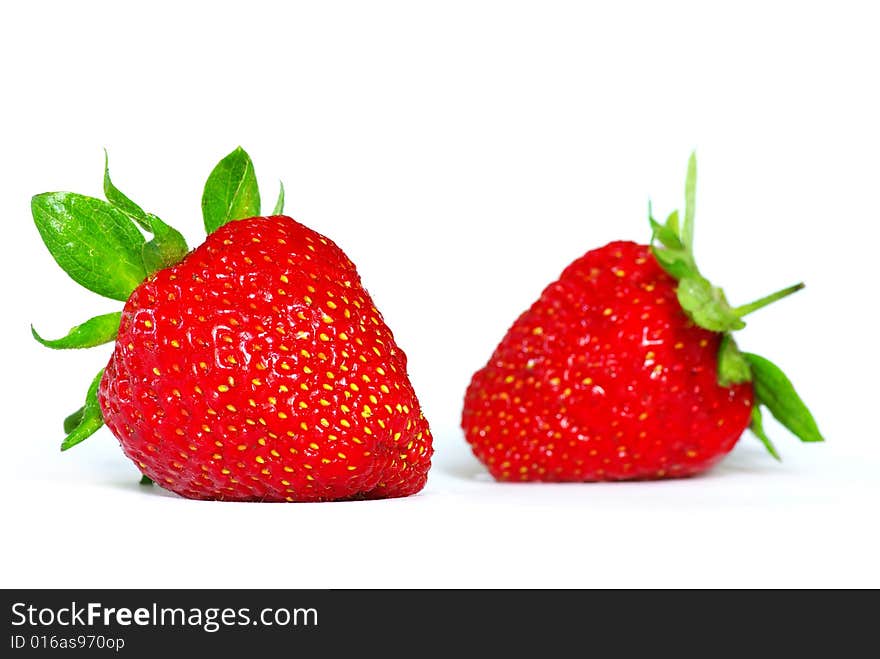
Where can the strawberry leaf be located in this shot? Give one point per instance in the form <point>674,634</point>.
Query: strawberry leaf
<point>672,225</point>
<point>122,202</point>
<point>707,305</point>
<point>775,391</point>
<point>733,368</point>
<point>94,332</point>
<point>675,262</point>
<point>690,205</point>
<point>91,419</point>
<point>757,428</point>
<point>746,309</point>
<point>73,420</point>
<point>231,192</point>
<point>666,236</point>
<point>166,248</point>
<point>672,257</point>
<point>96,244</point>
<point>146,480</point>
<point>279,205</point>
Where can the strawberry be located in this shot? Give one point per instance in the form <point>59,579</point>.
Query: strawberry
<point>254,368</point>
<point>626,368</point>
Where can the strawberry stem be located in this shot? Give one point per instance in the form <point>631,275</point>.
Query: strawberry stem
<point>707,306</point>
<point>746,309</point>
<point>690,205</point>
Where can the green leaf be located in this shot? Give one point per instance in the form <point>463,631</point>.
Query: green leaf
<point>672,224</point>
<point>122,202</point>
<point>91,417</point>
<point>733,368</point>
<point>757,427</point>
<point>94,332</point>
<point>93,242</point>
<point>746,309</point>
<point>774,390</point>
<point>166,248</point>
<point>146,480</point>
<point>707,305</point>
<point>666,236</point>
<point>279,205</point>
<point>675,262</point>
<point>690,206</point>
<point>231,192</point>
<point>73,420</point>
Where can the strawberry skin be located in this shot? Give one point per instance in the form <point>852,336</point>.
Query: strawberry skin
<point>605,378</point>
<point>258,369</point>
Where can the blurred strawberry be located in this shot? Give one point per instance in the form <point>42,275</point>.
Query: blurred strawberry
<point>625,368</point>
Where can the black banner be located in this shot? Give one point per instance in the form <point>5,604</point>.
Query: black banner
<point>408,622</point>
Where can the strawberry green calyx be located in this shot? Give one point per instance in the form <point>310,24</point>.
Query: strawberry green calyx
<point>231,191</point>
<point>777,394</point>
<point>704,303</point>
<point>733,367</point>
<point>707,306</point>
<point>94,332</point>
<point>96,244</point>
<point>86,421</point>
<point>167,246</point>
<point>279,204</point>
<point>73,420</point>
<point>101,245</point>
<point>757,428</point>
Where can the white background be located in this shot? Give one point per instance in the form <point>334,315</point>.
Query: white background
<point>462,153</point>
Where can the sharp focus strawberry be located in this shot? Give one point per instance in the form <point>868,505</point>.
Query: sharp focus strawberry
<point>255,368</point>
<point>625,368</point>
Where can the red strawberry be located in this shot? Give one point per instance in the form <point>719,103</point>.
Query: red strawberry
<point>255,368</point>
<point>625,368</point>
